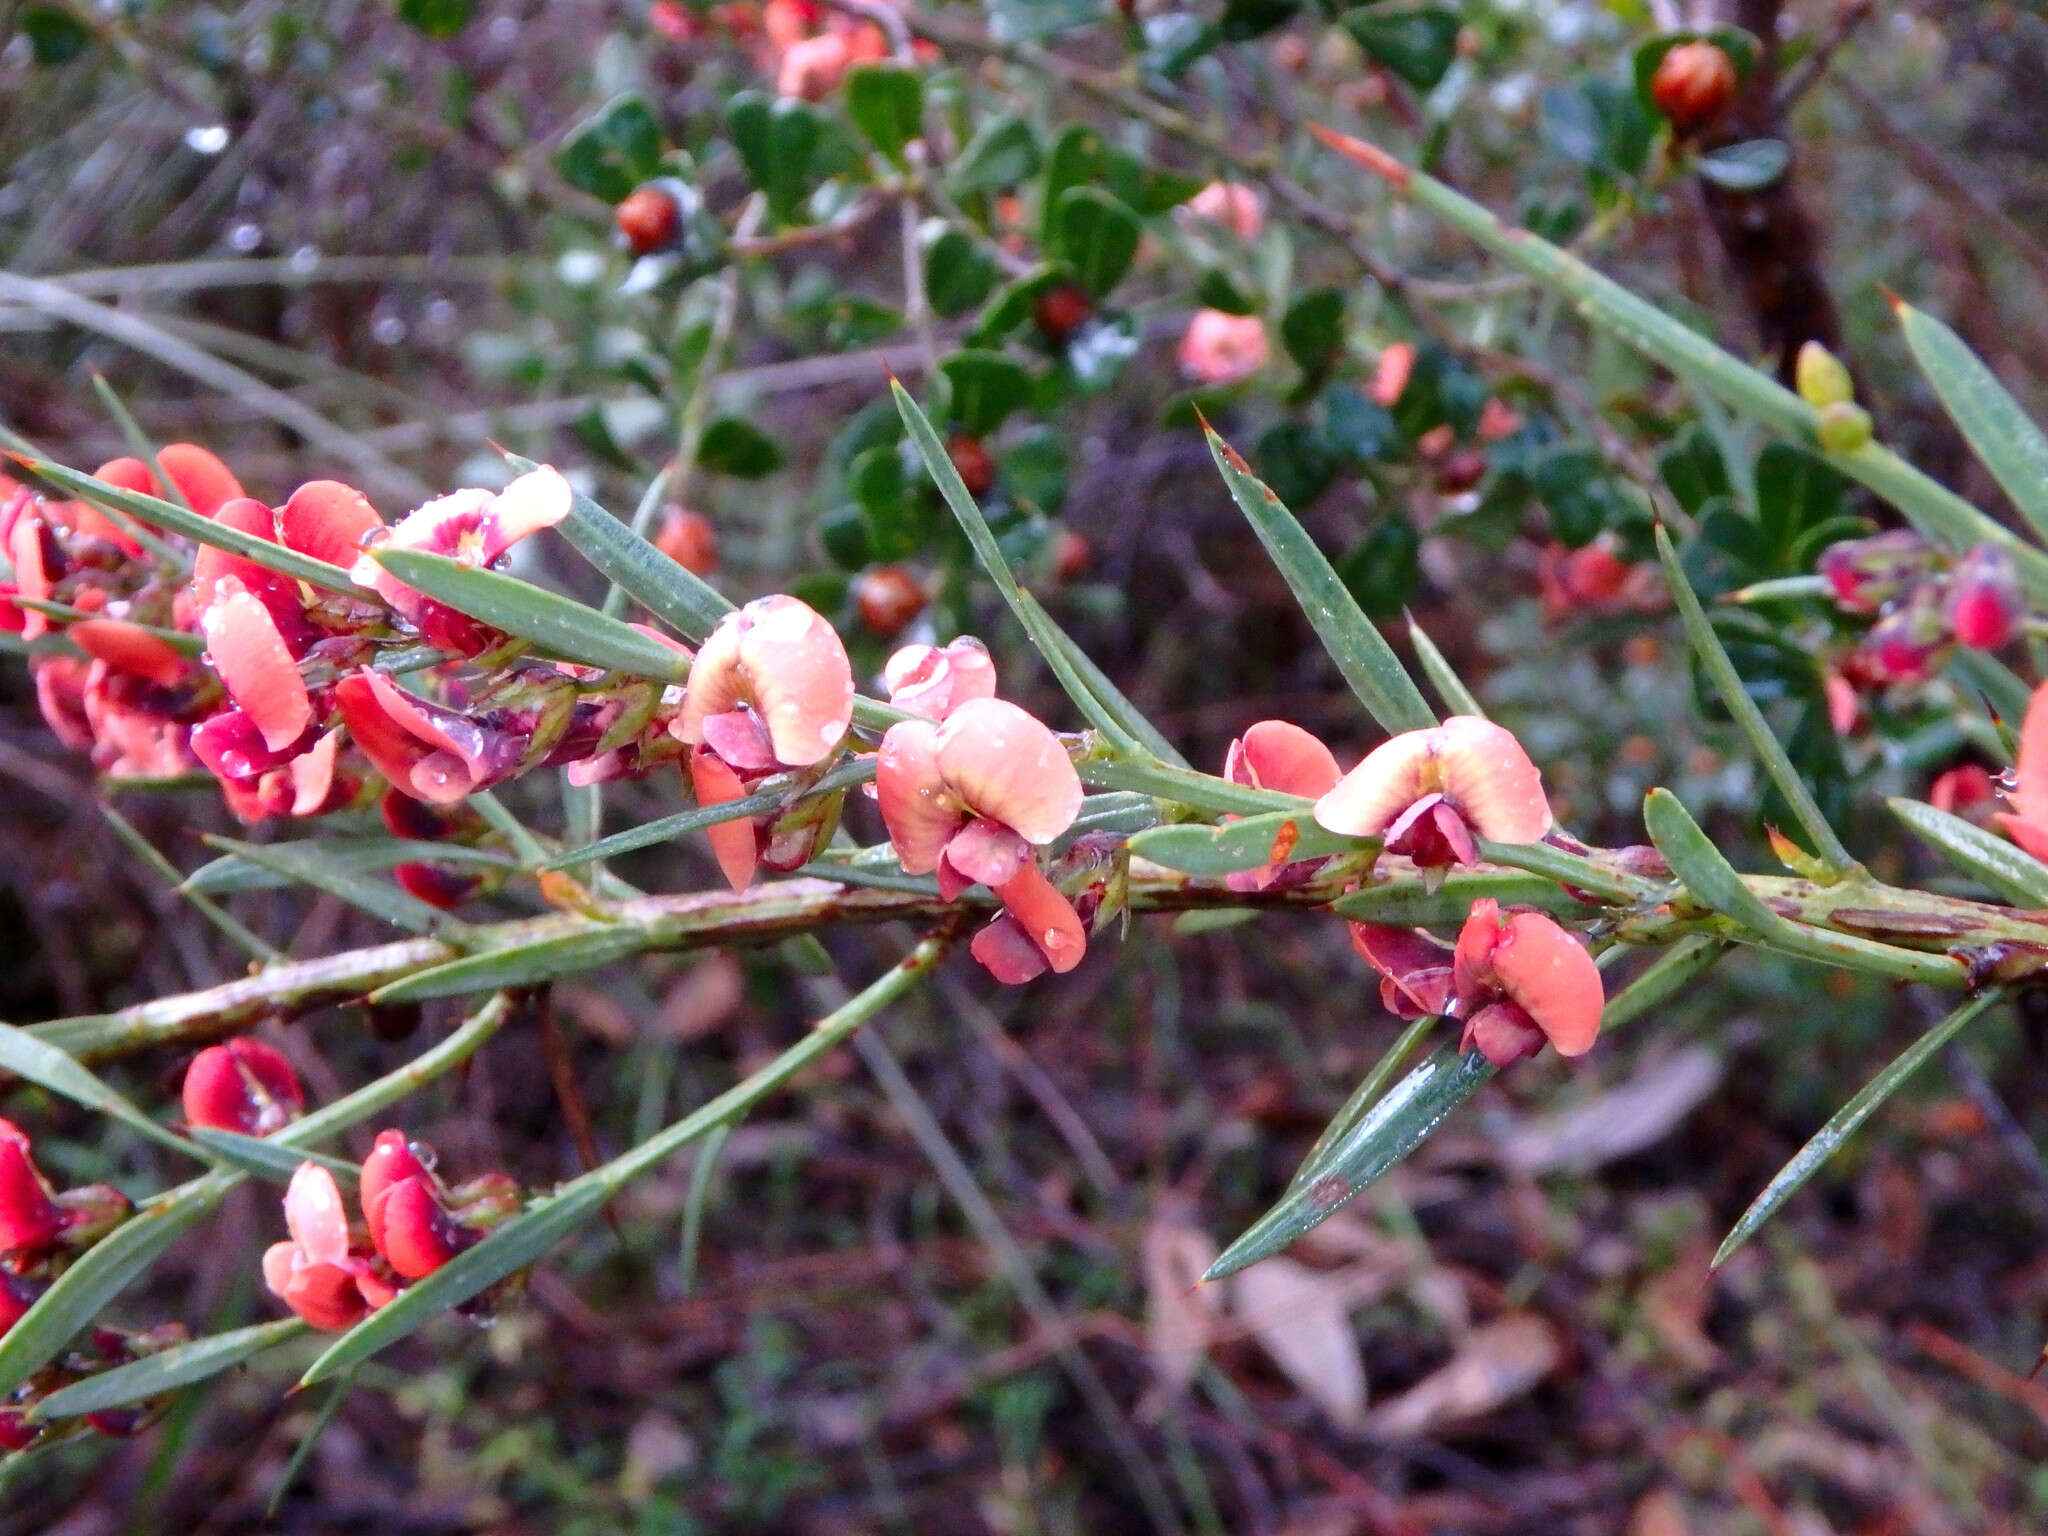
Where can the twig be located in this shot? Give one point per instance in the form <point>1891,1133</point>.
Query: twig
<point>1809,69</point>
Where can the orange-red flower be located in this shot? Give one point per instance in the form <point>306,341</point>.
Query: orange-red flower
<point>1278,755</point>
<point>934,680</point>
<point>244,1085</point>
<point>430,753</point>
<point>1429,793</point>
<point>1222,349</point>
<point>1520,980</point>
<point>415,1222</point>
<point>772,685</point>
<point>324,1272</point>
<point>2027,822</point>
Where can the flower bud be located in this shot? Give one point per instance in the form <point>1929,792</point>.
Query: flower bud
<point>649,219</point>
<point>1821,378</point>
<point>436,884</point>
<point>1843,427</point>
<point>1865,574</point>
<point>1985,605</point>
<point>29,1217</point>
<point>888,599</point>
<point>1693,85</point>
<point>244,1085</point>
<point>90,1212</point>
<point>1060,311</point>
<point>1903,646</point>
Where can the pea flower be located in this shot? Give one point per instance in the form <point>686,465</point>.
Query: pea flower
<point>1521,980</point>
<point>325,1272</point>
<point>430,753</point>
<point>244,1085</point>
<point>1233,206</point>
<point>2027,822</point>
<point>1278,755</point>
<point>971,797</point>
<point>34,1218</point>
<point>1223,349</point>
<point>476,527</point>
<point>1430,793</point>
<point>415,1223</point>
<point>934,680</point>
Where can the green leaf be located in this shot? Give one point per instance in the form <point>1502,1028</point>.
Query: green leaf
<point>1405,905</point>
<point>1098,237</point>
<point>1249,843</point>
<point>437,18</point>
<point>1312,330</point>
<point>2017,876</point>
<point>506,1250</point>
<point>262,1158</point>
<point>1361,653</point>
<point>1078,157</point>
<point>940,465</point>
<point>1023,21</point>
<point>1218,290</point>
<point>2008,443</point>
<point>23,1055</point>
<point>680,599</point>
<point>1747,167</point>
<point>667,828</point>
<point>201,530</point>
<point>613,151</point>
<point>1362,1099</point>
<point>1795,491</point>
<point>307,862</point>
<point>1107,694</point>
<point>1710,878</point>
<point>1388,1132</point>
<point>982,388</point>
<point>79,1295</point>
<point>232,873</point>
<point>520,965</point>
<point>1443,677</point>
<point>958,274</point>
<point>776,139</point>
<point>178,1366</point>
<point>1728,683</point>
<point>1417,44</point>
<point>1002,153</point>
<point>1842,1125</point>
<point>54,35</point>
<point>559,626</point>
<point>886,103</point>
<point>732,445</point>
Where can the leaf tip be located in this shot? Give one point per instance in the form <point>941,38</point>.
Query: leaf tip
<point>1371,156</point>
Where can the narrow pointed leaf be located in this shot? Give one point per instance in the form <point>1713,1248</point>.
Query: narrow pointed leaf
<point>1052,645</point>
<point>1728,683</point>
<point>1111,698</point>
<point>201,530</point>
<point>307,862</point>
<point>23,1055</point>
<point>1183,786</point>
<point>681,599</point>
<point>1566,868</point>
<point>231,872</point>
<point>2005,439</point>
<point>1388,1132</point>
<point>1829,1138</point>
<point>1407,905</point>
<point>1354,642</point>
<point>1982,673</point>
<point>1362,1099</point>
<point>520,965</point>
<point>699,1197</point>
<point>1690,957</point>
<point>506,1250</point>
<point>2018,877</point>
<point>1443,677</point>
<point>262,1158</point>
<point>560,626</point>
<point>154,1375</point>
<point>336,1396</point>
<point>1251,843</point>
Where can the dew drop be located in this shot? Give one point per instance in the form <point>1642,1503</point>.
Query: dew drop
<point>210,139</point>
<point>245,238</point>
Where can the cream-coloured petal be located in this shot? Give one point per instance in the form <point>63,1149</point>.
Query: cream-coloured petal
<point>920,812</point>
<point>1007,765</point>
<point>1483,771</point>
<point>716,684</point>
<point>315,1217</point>
<point>538,499</point>
<point>1368,799</point>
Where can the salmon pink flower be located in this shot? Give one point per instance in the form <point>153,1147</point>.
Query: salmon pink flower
<point>934,680</point>
<point>2027,822</point>
<point>1415,971</point>
<point>772,685</point>
<point>1581,583</point>
<point>1232,206</point>
<point>245,1086</point>
<point>1279,755</point>
<point>129,647</point>
<point>323,1273</point>
<point>475,527</point>
<point>1391,373</point>
<point>415,1222</point>
<point>199,475</point>
<point>1521,980</point>
<point>1430,793</point>
<point>1223,349</point>
<point>430,753</point>
<point>972,797</point>
<point>255,665</point>
<point>1966,790</point>
<point>30,1218</point>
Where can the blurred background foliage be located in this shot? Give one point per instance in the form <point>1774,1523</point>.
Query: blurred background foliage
<point>393,223</point>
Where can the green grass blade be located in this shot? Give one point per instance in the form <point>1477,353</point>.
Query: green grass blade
<point>1443,677</point>
<point>679,598</point>
<point>1829,1138</point>
<point>1728,683</point>
<point>2017,876</point>
<point>701,1173</point>
<point>154,1375</point>
<point>1051,643</point>
<point>1354,642</point>
<point>2008,443</point>
<point>1388,1132</point>
<point>201,530</point>
<point>307,862</point>
<point>560,626</point>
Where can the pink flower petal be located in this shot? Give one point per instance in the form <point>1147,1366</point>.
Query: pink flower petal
<point>733,843</point>
<point>329,521</point>
<point>255,664</point>
<point>1046,917</point>
<point>2029,795</point>
<point>1474,764</point>
<point>932,681</point>
<point>201,478</point>
<point>1533,963</point>
<point>1007,952</point>
<point>538,499</point>
<point>988,852</point>
<point>1279,755</point>
<point>130,648</point>
<point>921,813</point>
<point>31,575</point>
<point>781,658</point>
<point>312,775</point>
<point>315,1216</point>
<point>741,738</point>
<point>1006,765</point>
<point>392,750</point>
<point>1415,970</point>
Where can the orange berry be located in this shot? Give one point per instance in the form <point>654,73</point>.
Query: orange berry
<point>1060,311</point>
<point>649,219</point>
<point>689,539</point>
<point>888,599</point>
<point>976,465</point>
<point>1693,85</point>
<point>1072,554</point>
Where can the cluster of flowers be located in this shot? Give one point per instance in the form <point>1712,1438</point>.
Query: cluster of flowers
<point>1923,601</point>
<point>804,47</point>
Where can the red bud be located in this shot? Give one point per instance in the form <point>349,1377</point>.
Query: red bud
<point>244,1085</point>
